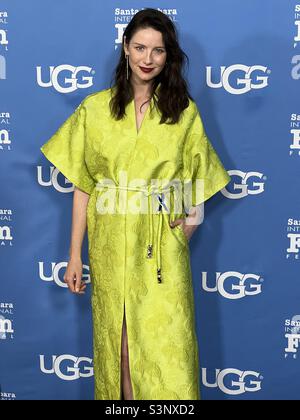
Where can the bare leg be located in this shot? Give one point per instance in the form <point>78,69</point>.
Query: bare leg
<point>126,381</point>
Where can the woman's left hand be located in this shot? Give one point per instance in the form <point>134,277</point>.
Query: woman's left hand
<point>189,224</point>
<point>188,229</point>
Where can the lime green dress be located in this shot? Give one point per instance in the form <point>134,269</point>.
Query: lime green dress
<point>137,261</point>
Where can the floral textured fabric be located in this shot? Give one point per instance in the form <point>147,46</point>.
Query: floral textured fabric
<point>91,146</point>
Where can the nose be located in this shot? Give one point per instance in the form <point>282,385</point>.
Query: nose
<point>148,59</point>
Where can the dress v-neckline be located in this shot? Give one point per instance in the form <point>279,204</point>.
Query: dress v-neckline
<point>137,131</point>
<point>144,120</point>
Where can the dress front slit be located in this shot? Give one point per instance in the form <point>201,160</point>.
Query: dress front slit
<point>124,327</point>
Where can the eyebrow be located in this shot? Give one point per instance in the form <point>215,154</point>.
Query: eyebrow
<point>137,43</point>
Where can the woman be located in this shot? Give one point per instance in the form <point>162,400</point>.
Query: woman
<point>145,127</point>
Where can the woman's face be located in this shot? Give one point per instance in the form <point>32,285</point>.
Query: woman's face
<point>146,49</point>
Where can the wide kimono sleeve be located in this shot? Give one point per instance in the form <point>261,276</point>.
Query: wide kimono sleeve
<point>66,149</point>
<point>203,167</point>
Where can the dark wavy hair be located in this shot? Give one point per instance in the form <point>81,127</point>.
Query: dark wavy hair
<point>172,97</point>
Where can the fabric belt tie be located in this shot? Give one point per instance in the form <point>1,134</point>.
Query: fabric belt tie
<point>149,191</point>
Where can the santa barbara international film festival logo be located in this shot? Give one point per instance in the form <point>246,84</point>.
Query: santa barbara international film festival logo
<point>53,273</point>
<point>3,33</point>
<point>2,67</point>
<point>232,381</point>
<point>123,16</point>
<point>297,25</point>
<point>67,367</point>
<point>238,79</point>
<point>295,135</point>
<point>293,237</point>
<point>3,43</point>
<point>295,73</point>
<point>292,336</point>
<point>232,284</point>
<point>6,321</point>
<point>65,78</point>
<point>5,136</point>
<point>7,396</point>
<point>6,238</point>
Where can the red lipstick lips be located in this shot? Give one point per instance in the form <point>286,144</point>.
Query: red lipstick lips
<point>146,69</point>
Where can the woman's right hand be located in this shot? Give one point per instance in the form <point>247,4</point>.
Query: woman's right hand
<point>73,276</point>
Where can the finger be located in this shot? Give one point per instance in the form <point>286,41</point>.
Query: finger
<point>82,289</point>
<point>70,283</point>
<point>176,222</point>
<point>72,286</point>
<point>78,282</point>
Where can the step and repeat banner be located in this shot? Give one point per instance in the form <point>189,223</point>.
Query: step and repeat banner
<point>244,75</point>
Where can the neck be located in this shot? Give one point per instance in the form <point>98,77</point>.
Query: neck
<point>141,89</point>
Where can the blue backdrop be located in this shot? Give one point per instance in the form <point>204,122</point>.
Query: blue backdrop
<point>245,76</point>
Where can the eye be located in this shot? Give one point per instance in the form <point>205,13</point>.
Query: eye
<point>160,50</point>
<point>138,48</point>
